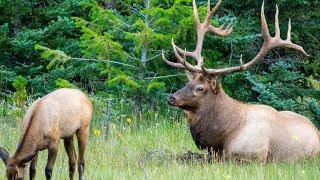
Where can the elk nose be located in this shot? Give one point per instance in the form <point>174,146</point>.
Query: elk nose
<point>171,99</point>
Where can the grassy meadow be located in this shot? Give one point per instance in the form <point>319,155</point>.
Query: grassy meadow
<point>162,148</point>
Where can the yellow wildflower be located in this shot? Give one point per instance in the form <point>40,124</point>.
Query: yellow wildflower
<point>119,135</point>
<point>96,132</point>
<point>129,120</point>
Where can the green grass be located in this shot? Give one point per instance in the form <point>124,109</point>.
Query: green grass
<point>159,151</point>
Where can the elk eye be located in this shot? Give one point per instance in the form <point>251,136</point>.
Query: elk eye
<point>199,88</point>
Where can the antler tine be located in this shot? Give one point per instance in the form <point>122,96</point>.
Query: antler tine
<point>264,25</point>
<point>221,31</point>
<point>208,7</point>
<point>241,63</point>
<point>195,13</point>
<point>276,23</point>
<point>289,31</point>
<point>185,52</point>
<point>229,26</point>
<point>288,44</point>
<point>210,12</point>
<point>295,47</point>
<point>169,63</point>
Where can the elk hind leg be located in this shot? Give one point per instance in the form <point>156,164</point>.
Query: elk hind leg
<point>69,147</point>
<point>82,136</point>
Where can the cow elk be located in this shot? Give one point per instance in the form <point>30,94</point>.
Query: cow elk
<point>58,115</point>
<point>232,129</point>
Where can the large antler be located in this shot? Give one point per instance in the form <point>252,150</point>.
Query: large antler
<point>202,29</point>
<point>269,43</point>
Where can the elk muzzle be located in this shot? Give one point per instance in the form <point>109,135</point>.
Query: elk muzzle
<point>172,100</point>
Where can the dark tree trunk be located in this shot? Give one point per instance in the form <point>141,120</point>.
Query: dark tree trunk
<point>108,118</point>
<point>153,105</point>
<point>138,107</point>
<point>111,4</point>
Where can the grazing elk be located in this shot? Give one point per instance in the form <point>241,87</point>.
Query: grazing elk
<point>58,115</point>
<point>228,127</point>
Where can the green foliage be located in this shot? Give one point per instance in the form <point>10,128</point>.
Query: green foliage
<point>275,87</point>
<point>6,78</point>
<point>62,83</point>
<point>128,83</point>
<point>314,83</point>
<point>283,88</point>
<point>19,83</point>
<point>155,87</point>
<point>20,86</point>
<point>315,107</point>
<point>55,56</point>
<point>97,39</point>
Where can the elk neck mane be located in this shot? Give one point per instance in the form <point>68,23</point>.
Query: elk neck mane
<point>25,130</point>
<point>219,110</point>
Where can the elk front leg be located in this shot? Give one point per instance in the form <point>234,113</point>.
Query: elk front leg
<point>33,167</point>
<point>52,155</point>
<point>215,154</point>
<point>210,155</point>
<point>82,136</point>
<point>68,145</point>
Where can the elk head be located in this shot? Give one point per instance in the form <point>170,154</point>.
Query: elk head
<point>198,88</point>
<point>15,168</point>
<point>204,81</point>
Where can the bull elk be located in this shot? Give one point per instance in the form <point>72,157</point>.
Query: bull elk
<point>58,115</point>
<point>230,128</point>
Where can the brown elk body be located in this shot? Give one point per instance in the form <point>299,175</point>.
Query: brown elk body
<point>58,115</point>
<point>231,128</point>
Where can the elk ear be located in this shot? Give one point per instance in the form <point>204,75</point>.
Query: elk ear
<point>28,158</point>
<point>4,155</point>
<point>189,75</point>
<point>215,85</point>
